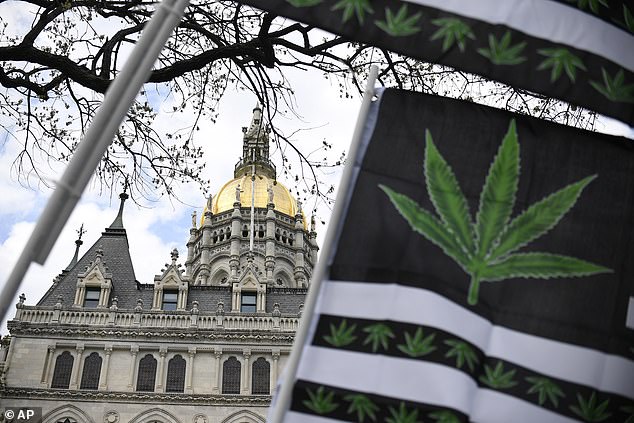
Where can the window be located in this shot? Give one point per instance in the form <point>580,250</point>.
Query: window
<point>91,373</point>
<point>147,374</point>
<point>170,299</point>
<point>175,374</point>
<point>247,305</point>
<point>231,376</point>
<point>91,298</point>
<point>63,369</point>
<point>260,381</point>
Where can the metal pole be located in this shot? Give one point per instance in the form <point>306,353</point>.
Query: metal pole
<point>284,396</point>
<point>116,104</point>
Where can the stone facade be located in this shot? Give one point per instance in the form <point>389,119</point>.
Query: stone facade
<point>204,343</point>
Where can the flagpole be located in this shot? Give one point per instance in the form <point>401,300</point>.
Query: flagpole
<point>117,101</point>
<point>282,403</point>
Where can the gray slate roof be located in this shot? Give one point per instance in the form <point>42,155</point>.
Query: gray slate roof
<point>116,258</point>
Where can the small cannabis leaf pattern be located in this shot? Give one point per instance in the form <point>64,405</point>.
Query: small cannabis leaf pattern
<point>589,410</point>
<point>629,409</point>
<point>342,335</point>
<point>452,31</point>
<point>320,402</point>
<point>628,18</point>
<point>486,249</point>
<point>444,416</point>
<point>615,89</point>
<point>417,345</point>
<point>560,59</point>
<point>463,353</point>
<point>399,24</point>
<point>497,378</point>
<point>354,7</point>
<point>402,415</point>
<point>362,406</point>
<point>304,3</point>
<point>545,389</point>
<point>378,334</point>
<point>501,52</point>
<point>594,4</point>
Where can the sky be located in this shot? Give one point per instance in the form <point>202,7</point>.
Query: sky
<point>155,229</point>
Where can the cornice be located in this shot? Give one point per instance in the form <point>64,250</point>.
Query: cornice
<point>155,335</point>
<point>136,397</point>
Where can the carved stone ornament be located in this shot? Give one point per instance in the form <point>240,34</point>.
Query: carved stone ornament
<point>111,417</point>
<point>200,418</point>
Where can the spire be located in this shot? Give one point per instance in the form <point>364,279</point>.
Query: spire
<point>78,243</point>
<point>117,223</point>
<point>255,148</point>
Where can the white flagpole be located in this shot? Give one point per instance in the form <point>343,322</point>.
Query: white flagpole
<point>283,399</point>
<point>116,104</point>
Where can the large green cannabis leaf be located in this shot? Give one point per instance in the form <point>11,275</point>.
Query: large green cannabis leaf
<point>486,249</point>
<point>321,402</point>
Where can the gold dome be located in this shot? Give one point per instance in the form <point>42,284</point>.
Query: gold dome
<point>282,198</point>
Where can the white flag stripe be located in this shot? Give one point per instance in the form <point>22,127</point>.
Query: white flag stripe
<point>510,409</point>
<point>548,20</point>
<point>608,373</point>
<point>295,417</point>
<point>410,380</point>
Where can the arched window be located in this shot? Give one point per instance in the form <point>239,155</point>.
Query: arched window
<point>175,374</point>
<point>91,372</point>
<point>63,369</point>
<point>231,376</point>
<point>147,374</point>
<point>261,376</point>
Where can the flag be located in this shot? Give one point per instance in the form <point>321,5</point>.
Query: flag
<point>483,272</point>
<point>579,51</point>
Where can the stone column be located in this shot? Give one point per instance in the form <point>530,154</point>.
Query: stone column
<point>103,380</point>
<point>47,364</point>
<point>246,353</point>
<point>218,356</point>
<point>74,376</point>
<point>134,350</point>
<point>274,369</point>
<point>161,368</point>
<point>189,370</point>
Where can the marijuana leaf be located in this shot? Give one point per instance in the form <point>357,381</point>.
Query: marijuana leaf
<point>399,24</point>
<point>357,7</point>
<point>560,59</point>
<point>484,249</point>
<point>341,336</point>
<point>546,389</point>
<point>378,334</point>
<point>417,346</point>
<point>497,378</point>
<point>361,405</point>
<point>320,402</point>
<point>402,415</point>
<point>614,88</point>
<point>444,416</point>
<point>304,3</point>
<point>594,4</point>
<point>463,353</point>
<point>453,30</point>
<point>628,18</point>
<point>501,52</point>
<point>589,410</point>
<point>629,409</point>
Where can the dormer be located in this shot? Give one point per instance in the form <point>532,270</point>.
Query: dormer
<point>94,285</point>
<point>170,288</point>
<point>248,294</point>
